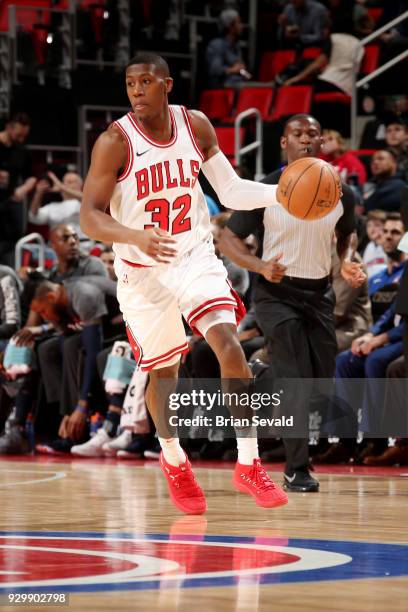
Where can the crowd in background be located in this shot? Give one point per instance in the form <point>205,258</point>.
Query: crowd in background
<point>62,335</point>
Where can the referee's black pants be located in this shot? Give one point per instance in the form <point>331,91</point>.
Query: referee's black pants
<point>296,318</point>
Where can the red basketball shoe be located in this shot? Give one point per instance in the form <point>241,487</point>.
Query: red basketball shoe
<point>254,480</point>
<point>185,492</point>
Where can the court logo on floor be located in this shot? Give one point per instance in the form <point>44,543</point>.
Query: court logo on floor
<point>88,561</point>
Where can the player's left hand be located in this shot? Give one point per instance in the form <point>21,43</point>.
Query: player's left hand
<point>353,273</point>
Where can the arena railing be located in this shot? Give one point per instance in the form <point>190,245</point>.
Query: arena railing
<point>256,145</point>
<point>20,244</point>
<point>358,84</point>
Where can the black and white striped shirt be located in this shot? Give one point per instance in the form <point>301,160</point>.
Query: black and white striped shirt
<point>306,245</point>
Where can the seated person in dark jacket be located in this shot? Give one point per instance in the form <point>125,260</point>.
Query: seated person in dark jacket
<point>225,65</point>
<point>383,192</point>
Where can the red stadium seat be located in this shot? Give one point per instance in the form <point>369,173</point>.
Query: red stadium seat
<point>26,18</point>
<point>370,60</point>
<point>226,140</point>
<point>291,100</point>
<point>217,104</point>
<point>375,13</point>
<point>273,62</point>
<point>311,52</point>
<point>255,97</point>
<point>332,98</point>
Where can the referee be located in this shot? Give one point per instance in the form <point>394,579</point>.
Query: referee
<point>293,298</point>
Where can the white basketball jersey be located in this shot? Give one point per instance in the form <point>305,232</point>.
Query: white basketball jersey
<point>159,187</point>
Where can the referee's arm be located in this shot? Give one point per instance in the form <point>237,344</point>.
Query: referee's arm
<point>346,226</point>
<point>241,225</point>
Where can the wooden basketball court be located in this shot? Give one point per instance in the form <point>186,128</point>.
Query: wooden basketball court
<point>105,533</point>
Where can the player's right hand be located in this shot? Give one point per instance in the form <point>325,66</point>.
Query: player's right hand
<point>272,270</point>
<point>156,243</point>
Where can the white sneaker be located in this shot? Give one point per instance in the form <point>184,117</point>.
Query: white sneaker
<point>114,445</point>
<point>92,448</point>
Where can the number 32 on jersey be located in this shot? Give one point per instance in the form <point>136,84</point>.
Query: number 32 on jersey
<point>160,210</point>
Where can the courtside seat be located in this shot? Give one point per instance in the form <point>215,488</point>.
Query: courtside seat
<point>217,104</point>
<point>273,62</point>
<point>292,100</point>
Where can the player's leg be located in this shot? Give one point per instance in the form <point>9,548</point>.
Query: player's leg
<point>184,490</point>
<point>212,309</point>
<point>157,337</point>
<point>249,475</point>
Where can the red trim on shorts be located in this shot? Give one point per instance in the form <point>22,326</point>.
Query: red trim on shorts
<point>191,132</point>
<point>136,348</point>
<point>135,265</point>
<point>129,161</point>
<point>151,140</point>
<point>222,301</point>
<point>234,303</point>
<point>149,364</point>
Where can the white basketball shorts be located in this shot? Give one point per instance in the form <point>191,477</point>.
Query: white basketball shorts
<point>153,301</point>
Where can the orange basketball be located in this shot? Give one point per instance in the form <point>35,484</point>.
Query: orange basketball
<point>309,188</point>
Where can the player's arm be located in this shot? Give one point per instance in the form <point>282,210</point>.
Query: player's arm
<point>232,191</point>
<point>108,159</point>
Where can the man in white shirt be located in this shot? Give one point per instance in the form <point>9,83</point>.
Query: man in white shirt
<point>55,213</point>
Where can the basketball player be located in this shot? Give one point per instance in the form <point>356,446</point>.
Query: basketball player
<point>146,167</point>
<point>293,298</point>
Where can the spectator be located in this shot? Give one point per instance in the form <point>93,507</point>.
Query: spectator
<point>15,183</point>
<point>108,259</point>
<point>383,191</point>
<point>10,313</point>
<point>346,163</point>
<point>238,277</point>
<point>225,66</point>
<point>303,22</point>
<point>374,256</point>
<point>396,137</point>
<point>55,213</point>
<point>71,261</point>
<point>71,307</point>
<point>382,287</point>
<point>339,60</point>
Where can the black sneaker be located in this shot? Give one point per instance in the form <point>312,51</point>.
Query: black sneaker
<point>14,442</point>
<point>300,481</point>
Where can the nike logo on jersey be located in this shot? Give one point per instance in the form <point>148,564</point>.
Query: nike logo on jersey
<point>142,153</point>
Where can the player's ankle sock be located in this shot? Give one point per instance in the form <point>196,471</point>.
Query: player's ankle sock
<point>111,423</point>
<point>247,446</point>
<point>172,451</point>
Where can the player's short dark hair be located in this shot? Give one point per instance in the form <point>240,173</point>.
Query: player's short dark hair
<point>147,57</point>
<point>299,117</point>
<point>21,118</point>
